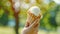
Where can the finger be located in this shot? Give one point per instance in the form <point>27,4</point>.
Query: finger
<point>37,25</point>
<point>34,23</point>
<point>29,18</point>
<point>28,21</point>
<point>36,28</point>
<point>27,24</point>
<point>39,16</point>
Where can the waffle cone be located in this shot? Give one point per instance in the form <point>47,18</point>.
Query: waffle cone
<point>31,17</point>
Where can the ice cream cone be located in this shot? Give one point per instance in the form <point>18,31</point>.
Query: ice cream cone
<point>33,13</point>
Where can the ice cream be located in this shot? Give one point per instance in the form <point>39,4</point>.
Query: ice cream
<point>35,10</point>
<point>33,13</point>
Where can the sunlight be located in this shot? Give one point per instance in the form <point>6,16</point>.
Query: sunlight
<point>57,1</point>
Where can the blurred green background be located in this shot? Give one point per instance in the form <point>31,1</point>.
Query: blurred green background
<point>49,24</point>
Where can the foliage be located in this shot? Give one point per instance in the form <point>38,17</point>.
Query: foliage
<point>48,12</point>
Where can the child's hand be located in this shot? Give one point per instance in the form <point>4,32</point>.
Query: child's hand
<point>31,28</point>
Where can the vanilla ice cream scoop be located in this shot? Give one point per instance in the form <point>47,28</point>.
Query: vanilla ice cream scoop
<point>35,10</point>
<point>33,13</point>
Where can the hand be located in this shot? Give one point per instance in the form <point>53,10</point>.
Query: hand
<point>31,28</point>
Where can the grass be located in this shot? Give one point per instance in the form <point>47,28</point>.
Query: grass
<point>10,30</point>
